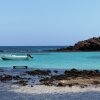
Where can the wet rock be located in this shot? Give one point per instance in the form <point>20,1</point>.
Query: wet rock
<point>46,81</point>
<point>96,82</point>
<point>70,85</point>
<point>54,80</point>
<point>83,86</point>
<point>49,71</point>
<point>59,77</point>
<point>56,71</point>
<point>82,73</point>
<point>20,78</point>
<point>70,75</point>
<point>39,72</point>
<point>31,85</point>
<point>16,77</point>
<point>97,71</point>
<point>21,82</point>
<point>6,77</point>
<point>61,84</point>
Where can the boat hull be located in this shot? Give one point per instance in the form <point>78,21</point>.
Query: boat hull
<point>15,57</point>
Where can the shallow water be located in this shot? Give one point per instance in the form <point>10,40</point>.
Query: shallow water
<point>78,60</point>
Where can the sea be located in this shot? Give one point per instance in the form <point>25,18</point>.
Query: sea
<point>50,60</point>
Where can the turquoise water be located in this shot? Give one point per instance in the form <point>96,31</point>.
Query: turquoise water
<point>79,60</point>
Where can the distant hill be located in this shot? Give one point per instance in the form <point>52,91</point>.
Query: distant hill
<point>92,44</point>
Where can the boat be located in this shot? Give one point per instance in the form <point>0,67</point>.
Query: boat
<point>17,57</point>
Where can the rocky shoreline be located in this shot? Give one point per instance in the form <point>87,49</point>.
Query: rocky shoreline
<point>92,44</point>
<point>73,77</point>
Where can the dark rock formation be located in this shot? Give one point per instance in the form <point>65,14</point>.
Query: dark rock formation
<point>73,77</point>
<point>39,72</point>
<point>92,44</point>
<point>82,73</point>
<point>5,78</point>
<point>60,84</point>
<point>21,82</point>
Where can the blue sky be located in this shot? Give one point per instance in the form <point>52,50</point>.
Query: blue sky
<point>48,22</point>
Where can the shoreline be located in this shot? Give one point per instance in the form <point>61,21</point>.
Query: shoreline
<point>43,89</point>
<point>41,92</point>
<point>50,77</point>
<point>49,85</point>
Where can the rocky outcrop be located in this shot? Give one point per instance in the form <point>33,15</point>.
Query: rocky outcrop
<point>74,77</point>
<point>39,72</point>
<point>88,45</point>
<point>92,44</point>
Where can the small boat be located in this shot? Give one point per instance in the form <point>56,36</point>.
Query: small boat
<point>16,57</point>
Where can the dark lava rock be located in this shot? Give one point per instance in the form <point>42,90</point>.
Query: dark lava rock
<point>59,77</point>
<point>6,77</point>
<point>49,71</point>
<point>97,71</point>
<point>70,75</point>
<point>70,85</point>
<point>96,82</point>
<point>50,81</point>
<point>21,82</point>
<point>16,77</point>
<point>61,84</point>
<point>20,78</point>
<point>92,44</point>
<point>55,71</point>
<point>46,81</point>
<point>82,73</point>
<point>83,85</point>
<point>39,72</point>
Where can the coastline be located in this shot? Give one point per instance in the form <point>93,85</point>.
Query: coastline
<point>27,84</point>
<point>91,44</point>
<point>51,76</point>
<point>39,92</point>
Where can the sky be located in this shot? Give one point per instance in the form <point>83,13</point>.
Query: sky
<point>48,22</point>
